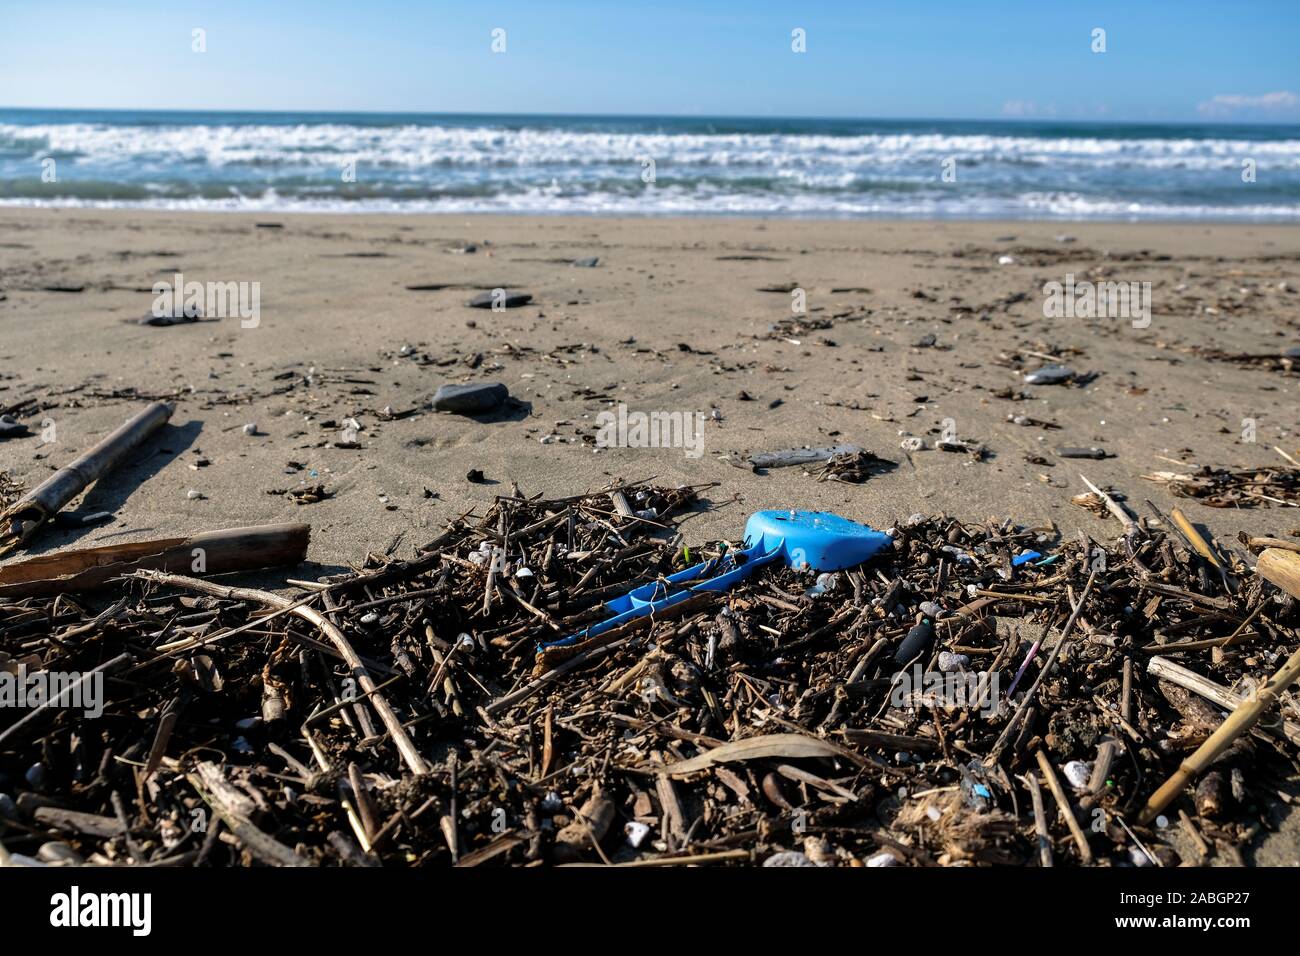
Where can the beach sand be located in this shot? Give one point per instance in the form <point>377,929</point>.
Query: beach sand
<point>672,319</point>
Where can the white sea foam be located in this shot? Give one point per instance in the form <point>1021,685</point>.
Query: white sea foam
<point>672,202</point>
<point>591,167</point>
<point>418,146</point>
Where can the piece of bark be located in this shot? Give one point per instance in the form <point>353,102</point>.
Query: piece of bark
<point>221,552</point>
<point>594,818</point>
<point>91,824</point>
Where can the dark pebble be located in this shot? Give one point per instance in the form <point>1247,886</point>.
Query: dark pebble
<point>470,399</point>
<point>917,642</point>
<point>12,428</point>
<point>509,300</point>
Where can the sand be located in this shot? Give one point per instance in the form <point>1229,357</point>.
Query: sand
<point>670,320</point>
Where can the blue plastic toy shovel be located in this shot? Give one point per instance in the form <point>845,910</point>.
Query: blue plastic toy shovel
<point>812,540</point>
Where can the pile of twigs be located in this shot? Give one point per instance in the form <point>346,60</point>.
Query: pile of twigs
<point>916,710</point>
<point>1267,486</point>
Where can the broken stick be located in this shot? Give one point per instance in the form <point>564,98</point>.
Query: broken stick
<point>25,516</point>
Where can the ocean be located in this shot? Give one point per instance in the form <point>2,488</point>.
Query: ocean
<point>633,166</point>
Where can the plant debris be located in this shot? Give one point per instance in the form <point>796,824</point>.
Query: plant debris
<point>399,715</point>
<point>1235,488</point>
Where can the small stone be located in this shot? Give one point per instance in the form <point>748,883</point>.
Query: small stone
<point>475,476</point>
<point>194,495</point>
<point>1050,375</point>
<point>470,399</point>
<point>788,858</point>
<point>499,299</point>
<point>250,428</point>
<point>11,427</point>
<point>949,662</point>
<point>1077,772</point>
<point>58,852</point>
<point>916,642</point>
<point>636,832</point>
<point>931,609</point>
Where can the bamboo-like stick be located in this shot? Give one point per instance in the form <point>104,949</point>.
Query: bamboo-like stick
<point>213,552</point>
<point>1040,821</point>
<point>1166,669</point>
<point>1237,723</point>
<point>1063,801</point>
<point>400,737</point>
<point>25,516</point>
<point>1192,535</point>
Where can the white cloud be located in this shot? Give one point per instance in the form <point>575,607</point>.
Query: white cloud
<point>1226,104</point>
<point>1023,109</point>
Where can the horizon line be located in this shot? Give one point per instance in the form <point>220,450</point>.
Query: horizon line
<point>696,116</point>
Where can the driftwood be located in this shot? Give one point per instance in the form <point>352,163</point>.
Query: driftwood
<point>214,552</point>
<point>25,516</point>
<point>1281,568</point>
<point>799,456</point>
<point>233,808</point>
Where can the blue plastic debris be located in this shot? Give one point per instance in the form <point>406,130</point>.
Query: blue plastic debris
<point>812,540</point>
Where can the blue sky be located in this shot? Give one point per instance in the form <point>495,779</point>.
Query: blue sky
<point>1165,60</point>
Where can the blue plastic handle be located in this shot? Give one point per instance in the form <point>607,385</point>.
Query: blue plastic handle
<point>817,540</point>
